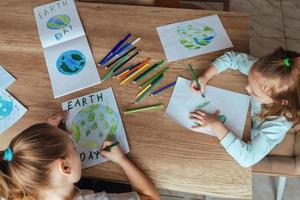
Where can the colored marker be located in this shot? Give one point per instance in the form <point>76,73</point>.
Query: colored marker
<point>154,77</point>
<point>195,78</point>
<point>141,92</point>
<point>121,50</point>
<point>116,47</point>
<point>144,74</point>
<point>153,84</point>
<point>135,73</point>
<point>162,89</point>
<point>117,65</point>
<point>128,59</point>
<point>144,108</point>
<point>125,75</point>
<point>125,70</point>
<point>116,60</point>
<point>109,147</point>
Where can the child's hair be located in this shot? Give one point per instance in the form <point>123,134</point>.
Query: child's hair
<point>33,151</point>
<point>282,72</point>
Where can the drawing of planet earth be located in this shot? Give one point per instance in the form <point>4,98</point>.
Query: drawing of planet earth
<point>6,106</point>
<point>193,36</point>
<point>70,62</point>
<point>58,22</point>
<point>94,124</point>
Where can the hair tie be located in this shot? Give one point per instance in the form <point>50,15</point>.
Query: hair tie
<point>8,154</point>
<point>286,62</point>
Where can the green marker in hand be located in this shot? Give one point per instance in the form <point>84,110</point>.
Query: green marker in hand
<point>195,79</point>
<point>109,147</point>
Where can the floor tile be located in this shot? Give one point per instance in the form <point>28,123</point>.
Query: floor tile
<point>262,46</point>
<point>291,18</point>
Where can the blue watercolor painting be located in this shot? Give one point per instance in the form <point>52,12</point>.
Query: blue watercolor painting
<point>70,62</point>
<point>58,22</point>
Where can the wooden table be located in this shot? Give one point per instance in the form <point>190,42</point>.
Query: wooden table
<point>174,157</point>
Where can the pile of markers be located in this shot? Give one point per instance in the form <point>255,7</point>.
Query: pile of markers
<point>138,73</point>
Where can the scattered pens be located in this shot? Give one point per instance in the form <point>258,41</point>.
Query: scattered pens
<point>154,77</point>
<point>115,48</point>
<point>128,59</point>
<point>162,89</point>
<point>116,60</point>
<point>116,66</point>
<point>195,79</point>
<point>144,74</point>
<point>125,70</point>
<point>109,147</point>
<point>144,108</point>
<point>135,73</point>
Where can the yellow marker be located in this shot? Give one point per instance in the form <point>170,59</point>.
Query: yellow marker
<point>139,94</point>
<point>135,73</point>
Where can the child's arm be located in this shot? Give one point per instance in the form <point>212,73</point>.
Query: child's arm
<point>270,133</point>
<point>138,180</point>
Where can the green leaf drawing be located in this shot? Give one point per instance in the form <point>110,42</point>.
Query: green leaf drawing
<point>89,144</point>
<point>109,111</point>
<point>88,132</point>
<point>101,116</point>
<point>82,123</point>
<point>112,131</point>
<point>207,28</point>
<point>202,105</point>
<point>106,124</point>
<point>65,68</point>
<point>100,134</point>
<point>90,108</point>
<point>91,117</point>
<point>76,56</point>
<point>95,125</point>
<point>76,132</point>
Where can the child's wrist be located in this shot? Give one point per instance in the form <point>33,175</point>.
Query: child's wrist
<point>122,160</point>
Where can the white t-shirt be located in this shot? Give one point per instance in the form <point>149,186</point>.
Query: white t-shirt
<point>91,195</point>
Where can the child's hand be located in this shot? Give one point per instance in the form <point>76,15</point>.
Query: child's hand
<point>115,154</point>
<point>205,119</point>
<point>203,81</point>
<point>58,118</point>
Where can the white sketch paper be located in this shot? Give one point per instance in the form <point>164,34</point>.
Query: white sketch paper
<point>68,56</point>
<point>92,119</point>
<point>6,78</point>
<point>10,110</point>
<point>233,106</point>
<point>194,37</point>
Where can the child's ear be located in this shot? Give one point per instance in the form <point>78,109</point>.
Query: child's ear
<point>64,167</point>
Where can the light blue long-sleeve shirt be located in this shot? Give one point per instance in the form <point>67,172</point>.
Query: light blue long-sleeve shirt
<point>265,133</point>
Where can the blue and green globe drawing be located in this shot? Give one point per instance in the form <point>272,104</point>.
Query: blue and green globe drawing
<point>70,62</point>
<point>58,22</point>
<point>6,106</point>
<point>94,124</point>
<point>193,36</point>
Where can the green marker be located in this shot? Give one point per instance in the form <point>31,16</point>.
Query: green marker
<point>151,107</point>
<point>144,74</point>
<point>154,77</point>
<point>109,147</point>
<point>115,67</point>
<point>195,78</point>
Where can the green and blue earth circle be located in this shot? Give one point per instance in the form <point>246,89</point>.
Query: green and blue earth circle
<point>6,106</point>
<point>70,62</point>
<point>58,22</point>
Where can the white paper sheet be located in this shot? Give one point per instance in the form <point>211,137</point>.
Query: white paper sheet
<point>93,119</point>
<point>232,105</point>
<point>68,56</point>
<point>6,78</point>
<point>194,37</point>
<point>10,110</point>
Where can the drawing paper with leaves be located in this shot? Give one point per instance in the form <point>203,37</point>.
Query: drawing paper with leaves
<point>68,56</point>
<point>93,119</point>
<point>233,107</point>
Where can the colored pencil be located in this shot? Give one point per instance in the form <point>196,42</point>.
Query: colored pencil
<point>112,70</point>
<point>121,50</point>
<point>128,73</point>
<point>141,92</point>
<point>152,85</point>
<point>135,73</point>
<point>116,60</point>
<point>144,108</point>
<point>154,77</point>
<point>109,147</point>
<point>128,59</point>
<point>195,78</point>
<point>116,47</point>
<point>145,73</point>
<point>162,89</point>
<point>125,70</point>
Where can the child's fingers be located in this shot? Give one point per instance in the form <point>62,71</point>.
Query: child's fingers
<point>197,120</point>
<point>216,113</point>
<point>105,153</point>
<point>105,144</point>
<point>200,112</point>
<point>196,115</point>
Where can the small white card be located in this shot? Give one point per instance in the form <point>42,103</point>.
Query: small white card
<point>10,110</point>
<point>92,119</point>
<point>194,37</point>
<point>233,106</point>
